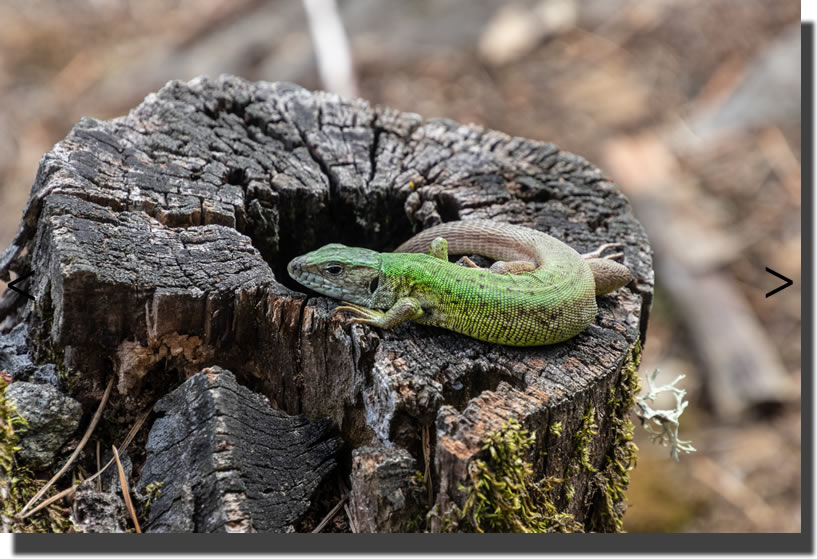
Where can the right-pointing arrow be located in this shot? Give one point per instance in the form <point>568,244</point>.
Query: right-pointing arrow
<point>781,276</point>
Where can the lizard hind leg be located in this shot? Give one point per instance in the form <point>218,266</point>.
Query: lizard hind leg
<point>512,267</point>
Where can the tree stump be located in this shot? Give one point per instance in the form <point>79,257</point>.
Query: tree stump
<point>158,244</point>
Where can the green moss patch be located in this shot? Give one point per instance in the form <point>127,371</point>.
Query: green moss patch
<point>503,496</point>
<point>17,484</point>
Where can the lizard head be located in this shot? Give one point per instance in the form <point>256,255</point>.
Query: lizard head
<point>346,273</point>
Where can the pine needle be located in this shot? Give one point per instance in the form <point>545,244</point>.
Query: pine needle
<point>330,516</point>
<point>70,490</point>
<point>125,490</point>
<point>98,480</point>
<point>76,452</point>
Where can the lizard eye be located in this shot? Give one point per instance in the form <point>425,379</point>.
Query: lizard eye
<point>373,285</point>
<point>334,269</point>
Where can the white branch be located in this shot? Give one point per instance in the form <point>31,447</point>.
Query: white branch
<point>331,47</point>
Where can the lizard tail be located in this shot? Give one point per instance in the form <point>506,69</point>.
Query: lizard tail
<point>608,275</point>
<point>495,240</point>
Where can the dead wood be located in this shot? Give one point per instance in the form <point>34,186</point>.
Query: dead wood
<point>159,240</point>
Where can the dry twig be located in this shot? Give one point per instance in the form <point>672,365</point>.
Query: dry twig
<point>331,47</point>
<point>426,436</point>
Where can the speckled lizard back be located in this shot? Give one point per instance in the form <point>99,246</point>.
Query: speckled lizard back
<point>551,304</point>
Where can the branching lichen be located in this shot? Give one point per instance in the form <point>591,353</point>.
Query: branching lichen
<point>662,425</point>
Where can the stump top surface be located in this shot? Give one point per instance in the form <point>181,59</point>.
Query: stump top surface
<point>207,189</point>
<point>158,245</point>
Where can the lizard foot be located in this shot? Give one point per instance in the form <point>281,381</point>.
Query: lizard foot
<point>365,315</point>
<point>406,308</point>
<point>597,253</point>
<point>512,267</point>
<point>465,261</point>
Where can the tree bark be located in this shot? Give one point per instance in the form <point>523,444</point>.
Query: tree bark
<point>229,463</point>
<point>159,241</point>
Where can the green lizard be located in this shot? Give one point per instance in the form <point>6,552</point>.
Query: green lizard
<point>539,291</point>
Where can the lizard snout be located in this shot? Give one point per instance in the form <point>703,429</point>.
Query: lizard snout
<point>294,267</point>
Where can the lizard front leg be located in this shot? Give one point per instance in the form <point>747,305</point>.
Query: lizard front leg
<point>406,308</point>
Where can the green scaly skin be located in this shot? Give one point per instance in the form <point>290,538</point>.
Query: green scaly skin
<point>540,291</point>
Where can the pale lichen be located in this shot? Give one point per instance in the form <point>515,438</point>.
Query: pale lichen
<point>663,425</point>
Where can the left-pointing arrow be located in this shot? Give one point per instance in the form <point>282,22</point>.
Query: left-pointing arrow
<point>781,276</point>
<point>17,289</point>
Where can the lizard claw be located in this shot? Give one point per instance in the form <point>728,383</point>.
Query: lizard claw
<point>465,261</point>
<point>365,315</point>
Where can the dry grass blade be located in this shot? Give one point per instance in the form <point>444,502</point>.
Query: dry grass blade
<point>426,437</point>
<point>352,523</point>
<point>98,468</point>
<point>126,491</point>
<point>76,452</point>
<point>344,491</point>
<point>330,516</point>
<point>70,490</point>
<point>50,500</point>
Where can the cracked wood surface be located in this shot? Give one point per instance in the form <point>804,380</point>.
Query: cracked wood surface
<point>159,241</point>
<point>230,463</point>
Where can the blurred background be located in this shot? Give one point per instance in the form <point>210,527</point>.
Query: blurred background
<point>692,107</point>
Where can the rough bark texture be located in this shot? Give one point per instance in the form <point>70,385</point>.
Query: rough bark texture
<point>385,493</point>
<point>51,418</point>
<point>230,463</point>
<point>159,242</point>
<point>98,512</point>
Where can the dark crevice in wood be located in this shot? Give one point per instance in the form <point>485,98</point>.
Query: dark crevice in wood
<point>236,177</point>
<point>478,380</point>
<point>406,433</point>
<point>141,289</point>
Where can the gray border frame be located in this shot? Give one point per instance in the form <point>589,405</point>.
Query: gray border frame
<point>802,542</point>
